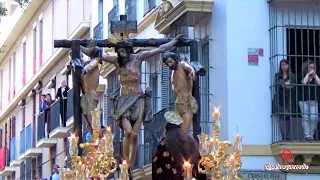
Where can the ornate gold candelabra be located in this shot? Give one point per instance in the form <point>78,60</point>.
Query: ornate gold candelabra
<point>213,154</point>
<point>98,161</point>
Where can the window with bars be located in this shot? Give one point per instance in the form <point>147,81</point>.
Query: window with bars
<point>294,50</point>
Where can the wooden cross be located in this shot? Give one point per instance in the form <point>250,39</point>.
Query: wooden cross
<point>123,26</point>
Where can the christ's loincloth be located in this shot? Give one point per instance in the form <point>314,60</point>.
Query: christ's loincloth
<point>88,103</point>
<point>129,107</point>
<point>186,106</point>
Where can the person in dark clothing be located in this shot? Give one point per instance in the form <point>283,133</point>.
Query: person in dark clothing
<point>309,103</point>
<point>175,147</point>
<point>286,93</point>
<point>62,94</point>
<point>43,103</point>
<point>48,113</point>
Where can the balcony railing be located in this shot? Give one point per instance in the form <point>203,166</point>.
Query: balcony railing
<point>69,104</point>
<point>98,31</point>
<point>55,115</point>
<point>28,135</point>
<point>26,139</point>
<point>13,149</point>
<point>113,14</point>
<point>294,116</point>
<point>22,142</point>
<point>41,126</point>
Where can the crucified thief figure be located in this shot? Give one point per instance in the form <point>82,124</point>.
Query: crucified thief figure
<point>133,106</point>
<point>182,78</point>
<point>89,83</point>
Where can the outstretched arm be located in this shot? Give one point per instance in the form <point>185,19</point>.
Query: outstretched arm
<point>109,59</point>
<point>189,69</point>
<point>146,54</point>
<point>89,67</point>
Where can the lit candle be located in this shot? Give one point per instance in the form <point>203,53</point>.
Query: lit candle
<point>124,175</point>
<point>109,140</point>
<point>187,171</point>
<point>216,115</point>
<point>211,145</point>
<point>109,130</point>
<point>73,148</point>
<point>103,144</point>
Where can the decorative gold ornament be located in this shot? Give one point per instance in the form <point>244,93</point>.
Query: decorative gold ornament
<point>213,154</point>
<point>98,161</point>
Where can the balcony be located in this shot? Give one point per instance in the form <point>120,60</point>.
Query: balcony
<point>42,141</point>
<point>23,143</point>
<point>293,128</point>
<point>113,15</point>
<point>69,123</point>
<point>98,31</point>
<point>56,127</point>
<point>14,162</point>
<point>31,150</point>
<point>4,159</point>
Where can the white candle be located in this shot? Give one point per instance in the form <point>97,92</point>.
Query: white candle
<point>187,171</point>
<point>237,143</point>
<point>216,116</point>
<point>103,144</point>
<point>211,145</point>
<point>73,149</point>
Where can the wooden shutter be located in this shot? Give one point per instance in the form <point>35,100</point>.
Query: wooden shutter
<point>165,80</point>
<point>6,134</point>
<point>13,126</point>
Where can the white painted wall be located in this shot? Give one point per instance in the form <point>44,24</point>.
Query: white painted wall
<point>250,106</point>
<point>5,89</point>
<point>47,33</point>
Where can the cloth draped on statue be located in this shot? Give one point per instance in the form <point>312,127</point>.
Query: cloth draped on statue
<point>2,158</point>
<point>129,107</point>
<point>165,167</point>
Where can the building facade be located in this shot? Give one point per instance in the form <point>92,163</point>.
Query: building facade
<point>240,44</point>
<point>30,66</point>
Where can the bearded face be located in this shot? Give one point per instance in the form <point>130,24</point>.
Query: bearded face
<point>173,64</point>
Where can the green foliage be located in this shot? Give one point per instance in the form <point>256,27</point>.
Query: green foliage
<point>3,10</point>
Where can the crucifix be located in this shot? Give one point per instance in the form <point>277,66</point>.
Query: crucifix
<point>128,65</point>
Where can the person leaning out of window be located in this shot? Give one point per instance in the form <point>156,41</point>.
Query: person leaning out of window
<point>309,104</point>
<point>286,85</point>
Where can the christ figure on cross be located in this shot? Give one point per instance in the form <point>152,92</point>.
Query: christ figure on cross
<point>133,106</point>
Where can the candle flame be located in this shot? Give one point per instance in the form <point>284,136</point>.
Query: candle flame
<point>186,164</point>
<point>232,157</point>
<point>73,135</point>
<point>124,162</point>
<point>108,129</point>
<point>104,138</point>
<point>216,110</point>
<point>211,139</point>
